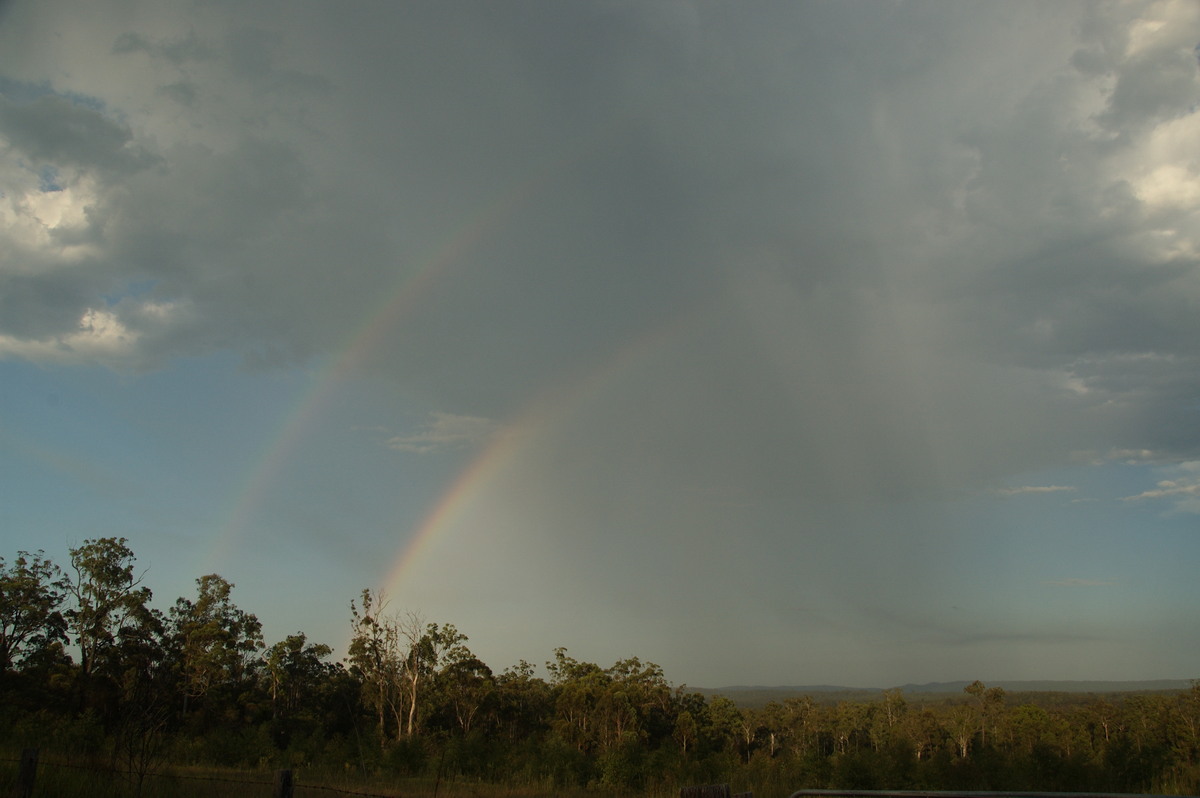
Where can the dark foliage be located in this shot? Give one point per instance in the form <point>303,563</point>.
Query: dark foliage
<point>89,669</point>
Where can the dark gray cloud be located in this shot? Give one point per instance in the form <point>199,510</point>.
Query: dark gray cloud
<point>177,51</point>
<point>767,268</point>
<point>53,129</point>
<point>875,173</point>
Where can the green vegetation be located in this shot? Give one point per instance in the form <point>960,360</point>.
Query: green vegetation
<point>149,702</point>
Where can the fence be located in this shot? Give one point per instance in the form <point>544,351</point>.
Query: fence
<point>283,786</point>
<point>712,791</point>
<point>958,794</point>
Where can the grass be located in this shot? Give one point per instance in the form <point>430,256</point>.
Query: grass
<point>60,779</point>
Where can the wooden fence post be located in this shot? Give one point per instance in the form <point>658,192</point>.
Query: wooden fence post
<point>26,772</point>
<point>283,784</point>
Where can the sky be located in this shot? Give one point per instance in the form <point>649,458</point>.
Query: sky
<point>776,343</point>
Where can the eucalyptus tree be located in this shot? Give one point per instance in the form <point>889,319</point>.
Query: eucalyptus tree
<point>396,657</point>
<point>108,600</point>
<point>686,731</point>
<point>1031,727</point>
<point>725,723</point>
<point>578,688</point>
<point>961,725</point>
<point>990,701</point>
<point>889,717</point>
<point>32,592</point>
<point>427,644</point>
<point>1185,723</point>
<point>648,695</point>
<point>215,641</point>
<point>295,669</point>
<point>467,685</point>
<point>624,707</point>
<point>800,717</point>
<point>925,732</point>
<point>374,657</point>
<point>773,727</point>
<point>524,703</point>
<point>120,639</point>
<point>852,721</point>
<point>690,720</point>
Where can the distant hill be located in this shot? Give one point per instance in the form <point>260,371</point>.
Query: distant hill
<point>1049,686</point>
<point>757,696</point>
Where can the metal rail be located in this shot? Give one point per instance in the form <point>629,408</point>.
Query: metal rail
<point>961,794</point>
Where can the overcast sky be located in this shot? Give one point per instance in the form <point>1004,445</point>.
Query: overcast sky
<point>775,343</point>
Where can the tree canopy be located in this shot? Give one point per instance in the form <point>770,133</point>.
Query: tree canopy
<point>87,664</point>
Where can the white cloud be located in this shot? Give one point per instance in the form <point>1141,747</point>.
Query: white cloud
<point>100,336</point>
<point>1181,488</point>
<point>1076,582</point>
<point>446,431</point>
<point>1167,488</point>
<point>1165,25</point>
<point>1034,489</point>
<point>44,229</point>
<point>1163,170</point>
<point>1132,456</point>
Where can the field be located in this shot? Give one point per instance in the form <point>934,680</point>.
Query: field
<point>57,778</point>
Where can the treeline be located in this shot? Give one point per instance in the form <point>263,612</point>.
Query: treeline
<point>88,668</point>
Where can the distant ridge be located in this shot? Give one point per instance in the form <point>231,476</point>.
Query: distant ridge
<point>760,695</point>
<point>1033,686</point>
<point>1053,686</point>
<point>805,688</point>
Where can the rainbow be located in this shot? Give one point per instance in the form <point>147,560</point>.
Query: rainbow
<point>544,414</point>
<point>365,339</point>
<point>541,414</point>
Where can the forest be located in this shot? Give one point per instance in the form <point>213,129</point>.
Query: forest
<point>90,670</point>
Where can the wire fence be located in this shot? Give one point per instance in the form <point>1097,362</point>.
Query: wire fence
<point>18,789</point>
<point>960,794</point>
<point>284,785</point>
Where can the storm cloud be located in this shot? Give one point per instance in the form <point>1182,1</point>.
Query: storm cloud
<point>825,257</point>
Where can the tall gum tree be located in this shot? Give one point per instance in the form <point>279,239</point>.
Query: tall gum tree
<point>32,591</point>
<point>215,640</point>
<point>427,644</point>
<point>467,684</point>
<point>990,701</point>
<point>374,656</point>
<point>295,669</point>
<point>107,598</point>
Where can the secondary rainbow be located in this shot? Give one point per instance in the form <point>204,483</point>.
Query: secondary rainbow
<point>408,288</point>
